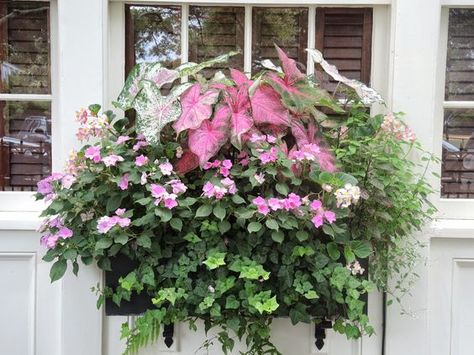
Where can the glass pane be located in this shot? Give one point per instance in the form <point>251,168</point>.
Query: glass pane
<point>286,27</point>
<point>25,144</point>
<point>460,58</point>
<point>156,34</point>
<point>24,51</point>
<point>214,31</point>
<point>458,154</point>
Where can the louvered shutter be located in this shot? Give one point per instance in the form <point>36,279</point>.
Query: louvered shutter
<point>344,36</point>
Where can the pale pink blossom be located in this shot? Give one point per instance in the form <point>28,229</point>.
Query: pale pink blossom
<point>122,139</point>
<point>120,211</point>
<point>318,220</point>
<point>67,181</point>
<point>178,187</point>
<point>123,183</point>
<point>268,156</point>
<point>111,160</point>
<point>93,153</point>
<point>141,160</point>
<point>230,185</point>
<point>275,204</point>
<point>143,178</point>
<point>170,202</point>
<point>166,168</point>
<point>225,167</point>
<point>260,178</point>
<point>139,144</point>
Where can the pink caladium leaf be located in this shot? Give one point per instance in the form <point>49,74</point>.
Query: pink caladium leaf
<point>240,78</point>
<point>195,108</point>
<point>188,162</point>
<point>303,135</point>
<point>206,140</point>
<point>267,107</point>
<point>292,73</point>
<point>238,104</point>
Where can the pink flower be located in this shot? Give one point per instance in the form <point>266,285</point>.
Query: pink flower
<point>141,160</point>
<point>170,202</point>
<point>139,145</point>
<point>315,205</point>
<point>178,187</point>
<point>123,183</point>
<point>292,201</point>
<point>268,157</point>
<point>257,138</point>
<point>243,158</point>
<point>263,209</point>
<point>275,204</point>
<point>225,168</point>
<point>215,164</point>
<point>64,233</point>
<point>123,222</point>
<point>259,201</point>
<point>104,224</point>
<point>49,240</point>
<point>122,139</point>
<point>158,191</point>
<point>93,153</point>
<point>67,181</point>
<point>330,216</point>
<point>271,139</point>
<point>141,137</point>
<point>111,160</point>
<point>208,189</point>
<point>166,168</point>
<point>44,187</point>
<point>143,178</point>
<point>120,211</point>
<point>317,220</point>
<point>230,185</point>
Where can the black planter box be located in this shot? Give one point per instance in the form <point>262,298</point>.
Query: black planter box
<point>139,303</point>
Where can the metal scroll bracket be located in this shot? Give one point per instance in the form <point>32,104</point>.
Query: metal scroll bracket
<point>168,334</point>
<point>320,333</point>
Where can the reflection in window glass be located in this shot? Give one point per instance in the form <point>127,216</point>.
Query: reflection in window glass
<point>286,27</point>
<point>25,144</point>
<point>214,31</point>
<point>460,58</point>
<point>24,47</point>
<point>458,135</point>
<point>155,35</point>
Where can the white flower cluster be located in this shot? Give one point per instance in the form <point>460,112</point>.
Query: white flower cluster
<point>347,195</point>
<point>355,268</point>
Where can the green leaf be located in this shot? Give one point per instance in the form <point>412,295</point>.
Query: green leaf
<point>232,302</point>
<point>70,254</point>
<point>103,243</point>
<point>164,214</point>
<point>219,212</point>
<point>298,314</point>
<point>214,260</point>
<point>58,269</point>
<point>333,251</point>
<point>113,203</point>
<point>349,254</point>
<point>278,236</point>
<point>282,188</point>
<point>204,211</point>
<point>176,224</point>
<point>254,227</point>
<point>192,238</point>
<point>272,224</point>
<point>144,201</point>
<point>144,241</point>
<point>302,236</point>
<point>245,213</point>
<point>361,249</point>
<point>224,227</point>
<point>121,238</point>
<point>237,200</point>
<point>188,201</point>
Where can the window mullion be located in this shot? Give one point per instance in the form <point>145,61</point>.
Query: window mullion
<point>458,104</point>
<point>311,37</point>
<point>248,40</point>
<point>184,36</point>
<point>26,97</point>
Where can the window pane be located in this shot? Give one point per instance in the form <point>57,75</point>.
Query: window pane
<point>286,27</point>
<point>24,51</point>
<point>25,144</point>
<point>214,31</point>
<point>153,35</point>
<point>460,59</point>
<point>458,154</point>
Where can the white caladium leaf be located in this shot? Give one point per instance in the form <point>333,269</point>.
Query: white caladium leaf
<point>154,111</point>
<point>367,94</point>
<point>153,72</point>
<point>268,64</point>
<point>191,68</point>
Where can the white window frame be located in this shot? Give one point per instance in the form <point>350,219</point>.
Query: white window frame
<point>15,201</point>
<point>448,208</point>
<point>380,34</point>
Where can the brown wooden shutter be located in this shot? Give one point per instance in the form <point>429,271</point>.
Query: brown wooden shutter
<point>344,36</point>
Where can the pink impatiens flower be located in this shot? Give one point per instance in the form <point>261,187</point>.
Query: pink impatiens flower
<point>123,183</point>
<point>321,214</point>
<point>225,167</point>
<point>139,145</point>
<point>292,201</point>
<point>166,168</point>
<point>141,160</point>
<point>177,186</point>
<point>111,160</point>
<point>67,181</point>
<point>275,204</point>
<point>269,156</point>
<point>262,206</point>
<point>93,153</point>
<point>230,185</point>
<point>122,139</point>
<point>106,223</point>
<point>161,195</point>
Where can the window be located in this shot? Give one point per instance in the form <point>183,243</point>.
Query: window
<point>458,126</point>
<point>343,34</point>
<point>25,94</point>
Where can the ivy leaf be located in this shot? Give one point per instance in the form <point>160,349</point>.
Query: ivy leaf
<point>278,236</point>
<point>298,314</point>
<point>204,211</point>
<point>219,212</point>
<point>57,270</point>
<point>214,260</point>
<point>176,224</point>
<point>333,251</point>
<point>232,302</point>
<point>192,238</point>
<point>254,227</point>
